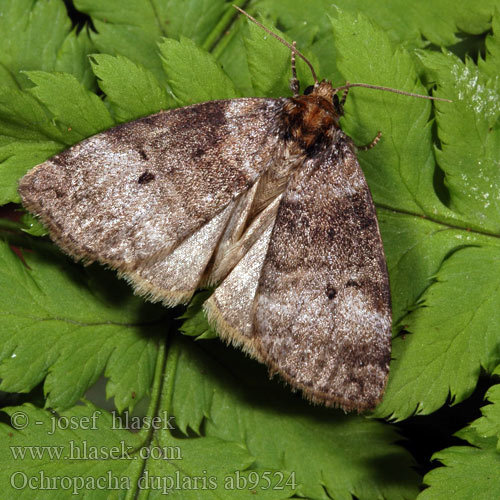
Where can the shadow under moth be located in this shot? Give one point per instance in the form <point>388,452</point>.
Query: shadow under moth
<point>265,198</point>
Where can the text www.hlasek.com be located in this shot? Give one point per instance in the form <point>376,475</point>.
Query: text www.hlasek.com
<point>82,450</point>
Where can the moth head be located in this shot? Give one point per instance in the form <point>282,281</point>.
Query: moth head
<point>311,119</point>
<point>325,89</point>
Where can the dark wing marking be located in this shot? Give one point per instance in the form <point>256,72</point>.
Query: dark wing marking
<point>322,317</point>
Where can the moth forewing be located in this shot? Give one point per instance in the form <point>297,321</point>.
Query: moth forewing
<point>323,317</point>
<point>97,206</point>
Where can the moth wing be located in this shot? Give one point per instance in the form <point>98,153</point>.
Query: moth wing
<point>153,195</point>
<point>230,307</point>
<point>322,314</point>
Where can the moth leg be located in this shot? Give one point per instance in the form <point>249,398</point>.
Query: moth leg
<point>294,82</point>
<point>371,144</point>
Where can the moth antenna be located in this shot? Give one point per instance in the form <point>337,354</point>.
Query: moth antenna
<point>389,89</point>
<point>294,82</point>
<point>284,42</point>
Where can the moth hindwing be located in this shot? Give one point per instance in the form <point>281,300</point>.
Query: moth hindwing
<point>264,197</point>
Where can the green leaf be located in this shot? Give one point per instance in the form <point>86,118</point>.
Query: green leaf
<point>346,455</point>
<point>269,64</point>
<point>132,90</point>
<point>195,321</point>
<point>38,36</point>
<point>73,58</point>
<point>41,121</point>
<point>27,137</point>
<point>451,336</point>
<point>400,177</point>
<point>489,424</point>
<point>133,28</point>
<point>79,335</point>
<point>130,29</point>
<point>231,54</point>
<point>70,445</point>
<point>468,473</point>
<point>207,83</point>
<point>470,165</point>
<point>415,247</point>
<point>32,225</point>
<point>295,445</point>
<point>64,96</point>
<point>185,20</point>
<point>86,451</point>
<point>404,22</point>
<point>16,159</point>
<point>492,62</point>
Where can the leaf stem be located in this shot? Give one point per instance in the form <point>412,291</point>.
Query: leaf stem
<point>217,33</point>
<point>138,468</point>
<point>472,228</point>
<point>11,225</point>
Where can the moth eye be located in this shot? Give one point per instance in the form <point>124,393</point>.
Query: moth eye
<point>145,177</point>
<point>331,292</point>
<point>308,90</point>
<point>336,104</point>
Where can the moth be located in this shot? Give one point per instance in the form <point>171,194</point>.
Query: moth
<point>264,197</point>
